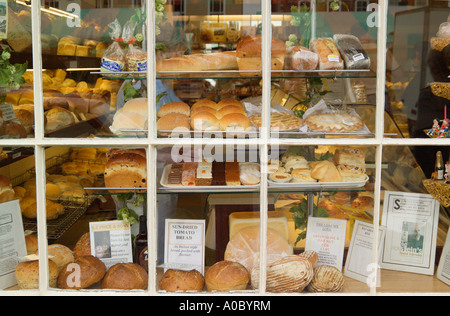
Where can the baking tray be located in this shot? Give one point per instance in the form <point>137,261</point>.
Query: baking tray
<point>212,188</point>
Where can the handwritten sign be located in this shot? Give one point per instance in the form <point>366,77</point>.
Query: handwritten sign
<point>185,244</point>
<point>327,237</point>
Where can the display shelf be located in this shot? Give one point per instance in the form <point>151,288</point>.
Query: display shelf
<point>50,61</point>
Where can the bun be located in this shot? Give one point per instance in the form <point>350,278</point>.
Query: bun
<point>229,101</point>
<point>83,246</point>
<point>125,170</point>
<point>125,276</point>
<point>178,280</point>
<point>92,270</point>
<point>31,242</point>
<point>229,109</point>
<point>7,192</point>
<point>326,171</point>
<point>132,116</point>
<point>52,191</point>
<point>225,276</point>
<point>235,121</point>
<point>204,102</point>
<point>27,274</point>
<point>204,108</point>
<point>174,107</point>
<point>204,121</point>
<point>173,122</point>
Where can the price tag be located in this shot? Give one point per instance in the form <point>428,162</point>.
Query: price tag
<point>333,58</point>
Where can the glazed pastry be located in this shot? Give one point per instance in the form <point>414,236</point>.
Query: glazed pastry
<point>280,177</point>
<point>250,173</point>
<point>204,174</point>
<point>232,173</point>
<point>188,173</point>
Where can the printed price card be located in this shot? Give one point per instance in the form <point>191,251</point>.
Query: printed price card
<point>185,244</point>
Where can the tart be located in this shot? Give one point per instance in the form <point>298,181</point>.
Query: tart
<point>334,122</point>
<point>280,121</point>
<point>250,173</point>
<point>280,177</point>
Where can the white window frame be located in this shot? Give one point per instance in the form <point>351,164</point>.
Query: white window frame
<point>39,143</point>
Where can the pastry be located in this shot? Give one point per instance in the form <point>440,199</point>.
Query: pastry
<point>350,157</point>
<point>363,203</point>
<point>326,171</point>
<point>232,173</point>
<point>188,173</point>
<point>279,121</point>
<point>250,173</point>
<point>280,177</point>
<point>302,175</point>
<point>218,173</point>
<point>174,176</point>
<point>334,122</point>
<point>203,175</point>
<point>352,173</point>
<point>296,163</point>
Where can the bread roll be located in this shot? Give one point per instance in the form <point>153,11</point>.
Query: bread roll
<point>326,171</point>
<point>174,107</point>
<point>125,276</point>
<point>173,122</point>
<point>204,121</point>
<point>204,102</point>
<point>58,118</point>
<point>7,192</point>
<point>83,246</point>
<point>235,122</point>
<point>204,108</point>
<point>62,255</point>
<point>225,276</point>
<point>133,116</point>
<point>31,242</point>
<point>52,191</point>
<point>229,101</point>
<point>230,109</point>
<point>126,170</point>
<point>91,270</point>
<point>27,274</point>
<point>178,280</point>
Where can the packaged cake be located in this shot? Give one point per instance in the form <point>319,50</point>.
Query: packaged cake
<point>351,51</point>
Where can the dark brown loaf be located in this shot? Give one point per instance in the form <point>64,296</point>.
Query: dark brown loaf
<point>125,276</point>
<point>91,270</point>
<point>126,169</point>
<point>251,46</point>
<point>83,246</point>
<point>178,280</point>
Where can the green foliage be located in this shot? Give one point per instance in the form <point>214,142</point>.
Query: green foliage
<point>300,217</point>
<point>11,76</point>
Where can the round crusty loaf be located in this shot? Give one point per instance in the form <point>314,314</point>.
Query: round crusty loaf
<point>82,273</point>
<point>225,276</point>
<point>326,279</point>
<point>174,107</point>
<point>251,46</point>
<point>235,122</point>
<point>27,274</point>
<point>179,280</point>
<point>125,276</point>
<point>62,255</point>
<point>289,274</point>
<point>311,255</point>
<point>125,170</point>
<point>83,246</point>
<point>7,192</point>
<point>204,121</point>
<point>173,122</point>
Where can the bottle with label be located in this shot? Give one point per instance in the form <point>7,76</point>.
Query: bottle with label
<point>439,166</point>
<point>141,240</point>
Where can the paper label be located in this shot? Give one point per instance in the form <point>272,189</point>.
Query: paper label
<point>109,65</point>
<point>357,57</point>
<point>8,113</point>
<point>333,58</point>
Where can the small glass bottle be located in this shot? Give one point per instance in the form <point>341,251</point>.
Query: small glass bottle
<point>439,166</point>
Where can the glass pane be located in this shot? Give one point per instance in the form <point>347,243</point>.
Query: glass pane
<point>16,85</point>
<point>18,203</point>
<point>327,86</point>
<point>209,61</point>
<point>94,61</point>
<point>208,218</point>
<point>320,197</point>
<point>96,216</point>
<point>417,71</point>
<point>415,214</point>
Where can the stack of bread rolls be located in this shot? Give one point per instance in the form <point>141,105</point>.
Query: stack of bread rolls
<point>173,117</point>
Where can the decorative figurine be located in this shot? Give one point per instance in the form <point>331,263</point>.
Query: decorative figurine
<point>435,129</point>
<point>444,128</point>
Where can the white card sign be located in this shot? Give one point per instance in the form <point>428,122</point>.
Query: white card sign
<point>185,245</point>
<point>411,221</point>
<point>358,265</point>
<point>443,272</point>
<point>12,242</point>
<point>326,236</point>
<point>111,242</point>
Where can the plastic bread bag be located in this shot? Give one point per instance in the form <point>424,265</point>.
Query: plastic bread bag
<point>301,58</point>
<point>444,30</point>
<point>329,56</point>
<point>113,59</point>
<point>354,55</point>
<point>136,57</point>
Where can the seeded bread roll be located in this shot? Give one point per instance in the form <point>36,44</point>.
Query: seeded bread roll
<point>125,170</point>
<point>27,274</point>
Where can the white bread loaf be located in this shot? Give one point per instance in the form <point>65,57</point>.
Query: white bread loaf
<point>199,62</point>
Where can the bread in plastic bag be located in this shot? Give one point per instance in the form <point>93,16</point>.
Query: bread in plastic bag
<point>136,57</point>
<point>301,58</point>
<point>329,56</point>
<point>113,59</point>
<point>352,52</point>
